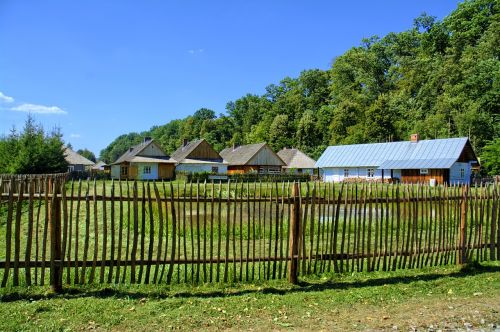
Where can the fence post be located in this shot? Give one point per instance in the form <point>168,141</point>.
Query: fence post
<point>463,225</point>
<point>294,235</point>
<point>55,238</point>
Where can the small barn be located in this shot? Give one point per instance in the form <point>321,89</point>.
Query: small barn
<point>145,161</point>
<point>297,162</point>
<point>440,161</point>
<point>77,162</point>
<point>199,156</point>
<point>252,158</point>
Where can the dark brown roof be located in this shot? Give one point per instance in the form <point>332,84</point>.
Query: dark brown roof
<point>294,158</point>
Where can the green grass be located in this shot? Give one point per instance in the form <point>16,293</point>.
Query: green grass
<point>432,298</point>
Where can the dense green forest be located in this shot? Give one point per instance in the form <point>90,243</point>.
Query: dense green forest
<point>32,151</point>
<point>438,79</point>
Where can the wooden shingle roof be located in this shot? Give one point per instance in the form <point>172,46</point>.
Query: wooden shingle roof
<point>243,154</point>
<point>74,158</point>
<point>294,158</point>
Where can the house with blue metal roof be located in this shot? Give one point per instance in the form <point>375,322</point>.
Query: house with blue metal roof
<point>447,160</point>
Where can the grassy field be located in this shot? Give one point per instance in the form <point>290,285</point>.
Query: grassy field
<point>434,298</point>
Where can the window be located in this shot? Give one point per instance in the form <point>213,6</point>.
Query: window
<point>124,170</point>
<point>346,172</point>
<point>424,171</point>
<point>215,169</point>
<point>146,170</point>
<point>370,172</point>
<point>462,173</point>
<point>71,168</point>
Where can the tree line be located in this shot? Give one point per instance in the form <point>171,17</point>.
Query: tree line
<point>438,78</point>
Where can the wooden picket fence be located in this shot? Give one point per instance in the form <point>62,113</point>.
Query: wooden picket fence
<point>164,232</point>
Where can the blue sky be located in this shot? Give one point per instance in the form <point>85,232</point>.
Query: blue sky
<point>99,69</point>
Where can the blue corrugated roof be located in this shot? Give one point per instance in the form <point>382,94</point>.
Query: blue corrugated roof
<point>436,153</point>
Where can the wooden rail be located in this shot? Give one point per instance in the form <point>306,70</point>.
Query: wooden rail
<point>72,233</point>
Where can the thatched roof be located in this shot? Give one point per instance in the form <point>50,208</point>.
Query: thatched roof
<point>294,158</point>
<point>74,158</point>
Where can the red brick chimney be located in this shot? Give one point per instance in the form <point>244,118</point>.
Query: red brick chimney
<point>414,138</point>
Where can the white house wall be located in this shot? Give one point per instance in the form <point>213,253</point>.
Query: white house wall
<point>199,168</point>
<point>331,174</point>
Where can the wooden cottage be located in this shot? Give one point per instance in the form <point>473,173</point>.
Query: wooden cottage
<point>199,156</point>
<point>252,158</point>
<point>77,162</point>
<point>297,162</point>
<point>146,161</point>
<point>440,161</point>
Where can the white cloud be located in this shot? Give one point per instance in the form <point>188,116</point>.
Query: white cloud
<point>196,51</point>
<point>6,99</point>
<point>38,109</point>
<point>75,135</point>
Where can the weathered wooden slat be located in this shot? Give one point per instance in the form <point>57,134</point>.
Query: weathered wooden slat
<point>104,235</point>
<point>135,231</point>
<point>159,248</point>
<point>120,233</point>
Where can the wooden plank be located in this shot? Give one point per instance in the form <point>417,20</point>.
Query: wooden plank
<point>254,235</point>
<point>64,207</point>
<point>303,228</point>
<point>151,232</point>
<point>311,229</point>
<point>268,276</point>
<point>228,232</point>
<point>8,235</point>
<point>241,231</point>
<point>135,231</point>
<point>281,221</point>
<point>211,238</point>
<point>120,232</point>
<point>198,239</point>
<point>174,229</point>
<point>127,245</point>
<point>55,241</point>
<point>204,267</point>
<point>96,234</point>
<point>142,252</point>
<point>344,226</point>
<point>29,240</point>
<point>219,232</point>
<point>287,242</point>
<point>37,232</point>
<point>113,231</point>
<point>398,225</point>
<point>48,188</point>
<point>336,221</point>
<point>76,280</point>
<point>159,248</point>
<point>276,227</point>
<point>247,270</point>
<point>70,235</point>
<point>235,206</point>
<point>17,232</point>
<point>294,236</point>
<point>104,235</point>
<point>83,275</point>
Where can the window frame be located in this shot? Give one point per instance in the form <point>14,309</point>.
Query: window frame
<point>424,171</point>
<point>370,172</point>
<point>346,172</point>
<point>146,170</point>
<point>124,170</point>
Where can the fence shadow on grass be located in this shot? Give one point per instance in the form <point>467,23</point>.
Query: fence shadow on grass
<point>165,293</point>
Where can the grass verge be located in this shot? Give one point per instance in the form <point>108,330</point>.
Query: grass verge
<point>433,298</point>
